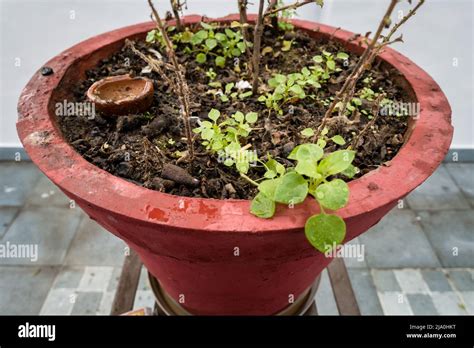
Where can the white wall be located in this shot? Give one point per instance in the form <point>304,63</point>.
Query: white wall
<point>32,31</point>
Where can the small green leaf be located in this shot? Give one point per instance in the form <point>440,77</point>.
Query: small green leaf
<point>336,162</point>
<point>318,59</point>
<point>333,195</point>
<point>220,61</point>
<point>292,189</point>
<point>331,64</point>
<point>211,43</point>
<point>214,114</point>
<point>286,46</point>
<point>207,26</point>
<point>350,171</point>
<point>251,117</point>
<point>306,152</point>
<point>268,187</point>
<point>201,58</point>
<point>238,116</point>
<point>262,206</point>
<point>308,168</point>
<point>321,143</point>
<point>307,132</point>
<point>338,140</point>
<point>324,231</point>
<point>221,37</point>
<point>297,90</point>
<point>342,55</point>
<point>228,87</point>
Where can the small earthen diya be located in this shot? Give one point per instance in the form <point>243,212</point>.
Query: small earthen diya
<point>121,95</point>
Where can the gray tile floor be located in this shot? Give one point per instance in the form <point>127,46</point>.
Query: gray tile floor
<point>417,260</point>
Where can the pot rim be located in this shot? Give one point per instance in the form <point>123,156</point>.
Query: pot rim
<point>422,153</point>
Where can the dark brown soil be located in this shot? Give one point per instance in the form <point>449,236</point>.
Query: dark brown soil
<point>139,147</point>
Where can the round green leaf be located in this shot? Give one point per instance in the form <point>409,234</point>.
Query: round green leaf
<point>292,189</point>
<point>221,37</point>
<point>336,162</point>
<point>214,114</point>
<point>338,140</point>
<point>238,116</point>
<point>333,195</point>
<point>268,187</point>
<point>342,55</point>
<point>307,132</point>
<point>318,59</point>
<point>308,168</point>
<point>211,43</point>
<point>251,117</point>
<point>201,58</point>
<point>306,152</point>
<point>324,231</point>
<point>262,206</point>
<point>220,61</point>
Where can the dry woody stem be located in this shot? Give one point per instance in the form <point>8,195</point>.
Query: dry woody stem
<point>176,6</point>
<point>373,49</point>
<point>181,86</point>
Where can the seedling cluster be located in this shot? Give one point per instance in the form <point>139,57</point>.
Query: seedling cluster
<point>312,168</point>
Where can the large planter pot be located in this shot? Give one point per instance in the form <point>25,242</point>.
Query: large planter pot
<point>190,244</point>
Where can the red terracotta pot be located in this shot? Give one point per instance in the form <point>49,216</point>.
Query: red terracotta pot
<point>188,243</point>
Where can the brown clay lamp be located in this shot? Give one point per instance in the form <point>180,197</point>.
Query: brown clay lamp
<point>121,95</point>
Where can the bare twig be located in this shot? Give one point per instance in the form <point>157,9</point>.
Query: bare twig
<point>373,49</point>
<point>182,89</point>
<point>176,7</point>
<point>375,112</point>
<point>256,47</point>
<point>155,65</point>
<point>242,4</point>
<point>294,6</point>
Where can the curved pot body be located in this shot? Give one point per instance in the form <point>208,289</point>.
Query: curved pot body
<point>213,256</point>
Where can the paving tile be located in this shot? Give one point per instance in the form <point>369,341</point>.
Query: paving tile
<point>143,283</point>
<point>114,279</point>
<point>355,251</point>
<point>468,297</point>
<point>462,279</point>
<point>24,289</point>
<point>105,305</point>
<point>451,234</point>
<point>16,181</point>
<point>95,279</point>
<point>448,303</point>
<point>68,277</point>
<point>59,302</point>
<point>7,214</point>
<point>394,303</point>
<point>87,303</point>
<point>325,301</point>
<point>144,298</point>
<point>45,193</point>
<point>384,280</point>
<point>411,281</point>
<point>398,242</point>
<point>421,304</point>
<point>463,175</point>
<point>51,229</point>
<point>438,192</point>
<point>365,292</point>
<point>436,280</point>
<point>94,246</point>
